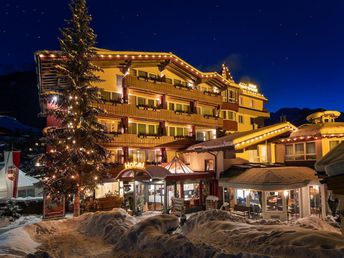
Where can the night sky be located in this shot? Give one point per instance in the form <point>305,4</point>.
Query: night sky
<point>292,49</point>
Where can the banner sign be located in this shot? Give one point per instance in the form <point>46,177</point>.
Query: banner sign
<point>53,207</point>
<point>12,162</point>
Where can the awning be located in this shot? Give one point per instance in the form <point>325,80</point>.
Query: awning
<point>242,140</point>
<point>333,162</point>
<point>272,178</point>
<point>149,172</point>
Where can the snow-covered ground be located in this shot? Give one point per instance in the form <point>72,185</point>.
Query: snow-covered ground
<point>206,234</point>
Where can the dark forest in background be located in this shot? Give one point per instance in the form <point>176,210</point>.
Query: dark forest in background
<point>19,98</point>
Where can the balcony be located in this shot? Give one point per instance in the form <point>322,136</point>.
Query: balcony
<point>128,110</point>
<point>133,82</point>
<point>230,106</point>
<point>230,125</point>
<point>136,141</point>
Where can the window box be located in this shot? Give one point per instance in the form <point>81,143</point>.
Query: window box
<point>147,135</point>
<point>211,116</point>
<point>182,112</point>
<point>211,93</point>
<point>148,107</point>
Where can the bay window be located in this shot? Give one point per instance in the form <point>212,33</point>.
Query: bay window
<point>300,151</point>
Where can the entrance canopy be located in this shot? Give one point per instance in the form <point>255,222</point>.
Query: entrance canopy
<point>147,173</point>
<point>272,178</point>
<point>176,166</point>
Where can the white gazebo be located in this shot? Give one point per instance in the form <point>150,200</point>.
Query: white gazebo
<point>277,192</point>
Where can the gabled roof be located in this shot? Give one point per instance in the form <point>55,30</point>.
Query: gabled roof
<point>240,140</point>
<point>164,60</point>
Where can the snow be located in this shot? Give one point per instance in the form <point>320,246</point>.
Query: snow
<point>212,233</point>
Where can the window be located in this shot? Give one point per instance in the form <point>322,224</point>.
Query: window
<point>177,82</point>
<point>110,125</point>
<point>171,106</point>
<point>333,144</point>
<point>151,102</point>
<point>224,96</point>
<point>151,129</point>
<point>289,152</point>
<point>209,165</point>
<point>179,107</point>
<point>310,151</point>
<point>228,115</point>
<point>241,119</point>
<point>251,103</point>
<point>141,101</point>
<point>143,74</point>
<point>141,128</point>
<point>137,156</point>
<point>178,131</point>
<point>153,156</point>
<point>274,201</point>
<point>300,151</point>
<point>205,135</point>
<point>115,156</point>
<point>132,128</point>
<point>207,111</point>
<point>224,114</point>
<point>231,96</point>
<point>252,120</point>
<point>172,131</point>
<point>168,80</point>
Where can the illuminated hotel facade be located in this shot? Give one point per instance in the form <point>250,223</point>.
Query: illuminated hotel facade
<point>155,103</point>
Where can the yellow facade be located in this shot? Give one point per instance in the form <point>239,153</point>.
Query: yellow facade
<point>154,99</point>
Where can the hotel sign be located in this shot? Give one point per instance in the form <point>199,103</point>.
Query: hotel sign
<point>249,87</point>
<point>134,165</point>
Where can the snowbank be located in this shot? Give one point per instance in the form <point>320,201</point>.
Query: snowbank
<point>212,233</point>
<point>229,233</point>
<point>110,226</point>
<point>154,237</point>
<point>17,242</point>
<point>316,224</point>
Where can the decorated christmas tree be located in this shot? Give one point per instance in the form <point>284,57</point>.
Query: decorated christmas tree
<point>74,159</point>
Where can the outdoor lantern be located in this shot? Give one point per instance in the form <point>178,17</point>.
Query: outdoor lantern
<point>11,173</point>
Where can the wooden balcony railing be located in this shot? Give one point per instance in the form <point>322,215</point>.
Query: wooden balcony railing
<point>133,82</point>
<point>230,125</point>
<point>131,111</point>
<point>135,141</point>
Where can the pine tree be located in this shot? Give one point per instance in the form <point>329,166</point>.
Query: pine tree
<point>74,159</point>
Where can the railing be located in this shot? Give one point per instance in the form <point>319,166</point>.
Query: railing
<point>133,82</point>
<point>230,125</point>
<point>134,141</point>
<point>128,110</point>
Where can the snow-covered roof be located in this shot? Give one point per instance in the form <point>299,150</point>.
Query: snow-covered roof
<point>240,140</point>
<point>320,129</point>
<point>333,162</point>
<point>273,178</point>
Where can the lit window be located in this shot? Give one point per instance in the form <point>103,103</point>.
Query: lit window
<point>241,119</point>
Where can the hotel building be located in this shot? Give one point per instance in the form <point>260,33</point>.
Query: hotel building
<point>156,103</point>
